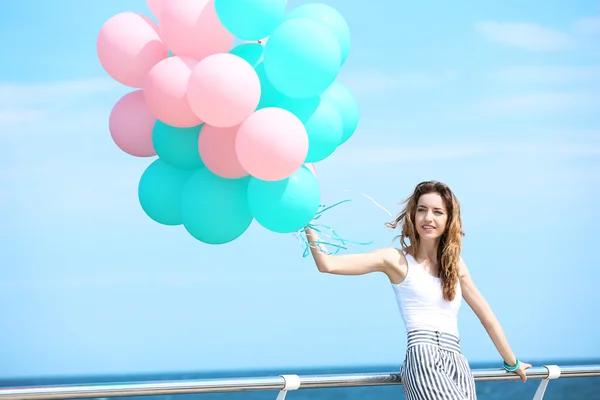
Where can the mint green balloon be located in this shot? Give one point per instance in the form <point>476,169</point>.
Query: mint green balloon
<point>250,19</point>
<point>323,125</point>
<point>269,96</point>
<point>346,105</point>
<point>286,205</point>
<point>329,17</point>
<point>302,58</point>
<point>301,108</point>
<point>177,146</point>
<point>215,210</point>
<point>251,52</point>
<point>159,192</point>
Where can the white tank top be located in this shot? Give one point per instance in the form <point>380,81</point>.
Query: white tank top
<point>421,302</point>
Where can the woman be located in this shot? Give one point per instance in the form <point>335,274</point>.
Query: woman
<point>429,278</point>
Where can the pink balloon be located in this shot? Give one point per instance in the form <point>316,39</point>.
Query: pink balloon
<point>223,90</point>
<point>166,92</point>
<point>191,28</point>
<point>150,22</point>
<point>128,46</point>
<point>155,7</point>
<point>131,124</point>
<point>217,150</point>
<point>271,144</point>
<point>312,168</point>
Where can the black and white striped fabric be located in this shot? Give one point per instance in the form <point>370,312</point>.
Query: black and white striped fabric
<point>435,369</point>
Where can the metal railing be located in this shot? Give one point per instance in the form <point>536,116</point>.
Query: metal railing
<point>282,383</point>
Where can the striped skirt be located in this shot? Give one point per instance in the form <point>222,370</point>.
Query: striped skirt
<point>435,369</point>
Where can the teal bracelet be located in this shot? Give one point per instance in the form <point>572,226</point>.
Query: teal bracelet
<point>511,369</point>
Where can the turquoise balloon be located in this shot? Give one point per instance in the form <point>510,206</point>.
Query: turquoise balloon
<point>323,125</point>
<point>302,58</point>
<point>331,18</point>
<point>159,192</point>
<point>250,19</point>
<point>177,146</point>
<point>251,52</point>
<point>346,105</point>
<point>269,96</point>
<point>301,108</point>
<point>286,205</point>
<point>215,210</point>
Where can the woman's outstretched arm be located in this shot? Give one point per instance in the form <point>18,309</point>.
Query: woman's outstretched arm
<point>488,319</point>
<point>386,260</point>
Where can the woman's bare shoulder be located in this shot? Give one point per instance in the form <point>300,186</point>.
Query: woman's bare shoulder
<point>396,264</point>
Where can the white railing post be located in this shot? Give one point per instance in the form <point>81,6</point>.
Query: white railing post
<point>291,382</point>
<point>553,373</point>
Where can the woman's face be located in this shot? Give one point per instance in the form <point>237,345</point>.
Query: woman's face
<point>431,216</point>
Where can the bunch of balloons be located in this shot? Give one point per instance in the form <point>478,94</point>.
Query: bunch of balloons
<point>235,128</point>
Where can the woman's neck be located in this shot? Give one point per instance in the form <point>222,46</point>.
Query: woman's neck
<point>427,251</point>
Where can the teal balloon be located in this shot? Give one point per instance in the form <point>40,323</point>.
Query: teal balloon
<point>250,19</point>
<point>331,18</point>
<point>323,125</point>
<point>269,96</point>
<point>286,205</point>
<point>215,210</point>
<point>177,146</point>
<point>302,58</point>
<point>301,108</point>
<point>346,105</point>
<point>159,192</point>
<point>251,52</point>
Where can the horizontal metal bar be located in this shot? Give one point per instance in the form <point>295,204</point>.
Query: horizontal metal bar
<point>256,384</point>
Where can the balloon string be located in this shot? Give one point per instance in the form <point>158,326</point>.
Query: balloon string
<point>373,201</point>
<point>333,239</point>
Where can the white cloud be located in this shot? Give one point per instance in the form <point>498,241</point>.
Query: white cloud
<point>374,80</point>
<point>536,104</point>
<point>129,277</point>
<point>525,35</point>
<point>413,154</point>
<point>48,93</point>
<point>547,74</point>
<point>30,103</point>
<point>535,37</point>
<point>588,26</point>
<point>12,116</point>
<point>68,187</point>
<point>60,148</point>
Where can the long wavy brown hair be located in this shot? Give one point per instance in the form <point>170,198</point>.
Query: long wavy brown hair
<point>450,245</point>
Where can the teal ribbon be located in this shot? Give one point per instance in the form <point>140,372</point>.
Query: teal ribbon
<point>342,244</point>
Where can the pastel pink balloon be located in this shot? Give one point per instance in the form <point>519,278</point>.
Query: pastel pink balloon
<point>166,92</point>
<point>312,168</point>
<point>191,28</point>
<point>131,124</point>
<point>217,150</point>
<point>128,46</point>
<point>150,22</point>
<point>223,90</point>
<point>155,7</point>
<point>271,144</point>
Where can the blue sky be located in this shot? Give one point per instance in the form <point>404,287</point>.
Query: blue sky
<point>497,99</point>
